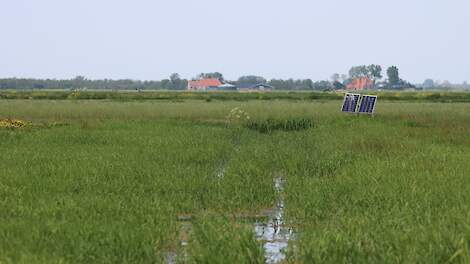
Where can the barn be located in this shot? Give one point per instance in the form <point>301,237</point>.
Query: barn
<point>204,84</point>
<point>254,87</point>
<point>362,83</point>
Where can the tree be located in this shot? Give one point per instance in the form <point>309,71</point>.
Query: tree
<point>177,83</point>
<point>211,75</point>
<point>428,83</point>
<point>374,72</point>
<point>393,75</point>
<point>251,79</point>
<point>79,81</point>
<point>354,72</point>
<point>307,84</point>
<point>322,85</point>
<point>358,71</point>
<point>335,77</point>
<point>465,84</point>
<point>79,78</point>
<point>175,77</point>
<point>446,84</point>
<point>166,84</point>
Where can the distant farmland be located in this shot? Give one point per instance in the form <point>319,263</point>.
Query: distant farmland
<point>172,177</point>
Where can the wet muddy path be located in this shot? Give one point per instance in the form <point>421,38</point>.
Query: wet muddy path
<point>275,234</point>
<point>270,229</point>
<point>269,226</point>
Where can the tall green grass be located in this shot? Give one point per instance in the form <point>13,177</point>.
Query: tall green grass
<point>108,181</point>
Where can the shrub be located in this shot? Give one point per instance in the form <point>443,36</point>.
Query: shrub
<point>12,123</point>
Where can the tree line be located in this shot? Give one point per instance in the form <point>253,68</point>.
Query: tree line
<point>80,82</point>
<point>175,82</point>
<point>373,72</point>
<point>172,83</point>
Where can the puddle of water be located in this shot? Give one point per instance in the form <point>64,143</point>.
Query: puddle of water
<point>278,185</point>
<point>185,229</point>
<point>171,257</point>
<point>220,172</point>
<point>274,233</point>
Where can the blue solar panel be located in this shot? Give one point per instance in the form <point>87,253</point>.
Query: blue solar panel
<point>350,102</point>
<point>368,103</point>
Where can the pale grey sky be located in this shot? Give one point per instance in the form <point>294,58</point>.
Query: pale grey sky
<point>150,39</point>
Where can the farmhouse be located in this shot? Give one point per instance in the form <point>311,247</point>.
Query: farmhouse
<point>362,83</point>
<point>204,84</point>
<point>217,85</point>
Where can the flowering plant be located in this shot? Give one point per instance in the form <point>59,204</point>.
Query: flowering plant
<point>12,123</point>
<point>237,115</point>
<point>74,95</point>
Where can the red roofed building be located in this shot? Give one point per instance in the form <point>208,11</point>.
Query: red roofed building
<point>204,84</point>
<point>361,83</point>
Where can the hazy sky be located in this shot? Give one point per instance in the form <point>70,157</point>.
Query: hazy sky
<point>150,39</point>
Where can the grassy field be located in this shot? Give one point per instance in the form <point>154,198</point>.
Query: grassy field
<point>157,181</point>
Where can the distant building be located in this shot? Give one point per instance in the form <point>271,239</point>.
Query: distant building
<point>217,85</point>
<point>226,87</point>
<point>254,87</point>
<point>362,83</point>
<point>204,84</point>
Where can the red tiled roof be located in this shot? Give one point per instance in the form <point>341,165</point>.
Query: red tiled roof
<point>204,83</point>
<point>360,84</point>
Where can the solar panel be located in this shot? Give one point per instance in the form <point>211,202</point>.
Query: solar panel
<point>367,105</point>
<point>350,102</point>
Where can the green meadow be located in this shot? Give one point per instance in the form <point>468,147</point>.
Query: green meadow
<point>178,181</point>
